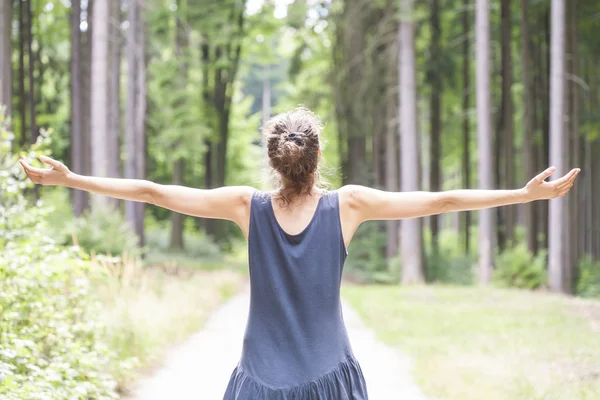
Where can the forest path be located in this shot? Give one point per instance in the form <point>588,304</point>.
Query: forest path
<point>200,367</point>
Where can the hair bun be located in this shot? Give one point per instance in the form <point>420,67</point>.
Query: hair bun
<point>295,137</point>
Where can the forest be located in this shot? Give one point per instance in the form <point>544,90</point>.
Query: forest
<point>414,95</point>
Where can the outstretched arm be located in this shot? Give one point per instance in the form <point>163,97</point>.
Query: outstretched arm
<point>229,203</point>
<point>373,204</point>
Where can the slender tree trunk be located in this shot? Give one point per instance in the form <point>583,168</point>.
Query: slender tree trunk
<point>114,120</point>
<point>113,134</point>
<point>177,219</point>
<point>484,136</point>
<point>6,55</point>
<point>266,113</point>
<point>31,82</point>
<point>528,148</point>
<point>130,106</point>
<point>412,264</point>
<point>507,118</point>
<point>391,143</point>
<point>99,106</point>
<point>86,85</point>
<point>22,95</point>
<point>435,82</point>
<point>575,201</point>
<point>557,211</point>
<point>140,115</point>
<point>465,122</point>
<point>77,142</point>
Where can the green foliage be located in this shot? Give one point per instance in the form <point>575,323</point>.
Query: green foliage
<point>449,264</point>
<point>51,343</point>
<point>102,231</point>
<point>366,256</point>
<point>517,267</point>
<point>588,282</point>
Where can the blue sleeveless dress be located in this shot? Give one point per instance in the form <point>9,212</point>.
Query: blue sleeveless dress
<point>296,345</point>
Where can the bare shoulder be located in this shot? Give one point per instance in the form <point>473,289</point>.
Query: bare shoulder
<point>353,196</point>
<point>244,193</point>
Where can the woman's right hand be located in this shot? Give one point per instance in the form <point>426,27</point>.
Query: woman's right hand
<point>58,175</point>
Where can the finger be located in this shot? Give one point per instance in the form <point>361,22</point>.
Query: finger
<point>51,162</point>
<point>37,171</point>
<point>544,175</point>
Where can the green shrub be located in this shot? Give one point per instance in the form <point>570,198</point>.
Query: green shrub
<point>51,343</point>
<point>366,256</point>
<point>450,264</point>
<point>588,282</point>
<point>517,267</point>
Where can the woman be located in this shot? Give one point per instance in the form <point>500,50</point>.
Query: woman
<point>295,344</point>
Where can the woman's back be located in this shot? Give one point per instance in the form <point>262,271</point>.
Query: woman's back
<point>296,345</point>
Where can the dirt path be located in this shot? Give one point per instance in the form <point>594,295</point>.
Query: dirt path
<point>200,367</point>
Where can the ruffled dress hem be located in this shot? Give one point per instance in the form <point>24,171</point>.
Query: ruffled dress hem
<point>344,382</point>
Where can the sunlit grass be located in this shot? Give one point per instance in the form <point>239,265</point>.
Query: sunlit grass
<point>484,343</point>
<point>149,309</point>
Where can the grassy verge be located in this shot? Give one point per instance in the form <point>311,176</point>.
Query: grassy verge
<point>147,310</point>
<point>479,343</point>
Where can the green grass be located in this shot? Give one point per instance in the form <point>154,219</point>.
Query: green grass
<point>490,344</point>
<point>149,309</point>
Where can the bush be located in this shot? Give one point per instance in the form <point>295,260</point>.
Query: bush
<point>588,282</point>
<point>102,231</point>
<point>366,256</point>
<point>51,343</point>
<point>517,267</point>
<point>450,265</point>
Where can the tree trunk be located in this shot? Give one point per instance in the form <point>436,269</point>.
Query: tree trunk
<point>177,219</point>
<point>486,178</point>
<point>86,85</point>
<point>557,211</point>
<point>412,264</point>
<point>266,114</point>
<point>114,119</point>
<point>34,133</point>
<point>99,106</point>
<point>6,55</point>
<point>77,142</point>
<point>528,148</point>
<point>130,107</point>
<point>435,82</point>
<point>22,95</point>
<point>391,143</point>
<point>140,115</point>
<point>466,165</point>
<point>507,119</point>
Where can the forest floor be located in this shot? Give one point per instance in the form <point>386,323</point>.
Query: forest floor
<point>473,343</point>
<point>200,367</point>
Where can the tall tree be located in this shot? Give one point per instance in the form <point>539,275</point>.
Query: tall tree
<point>6,55</point>
<point>22,98</point>
<point>31,82</point>
<point>466,97</point>
<point>528,150</point>
<point>135,111</point>
<point>558,153</point>
<point>113,134</point>
<point>99,95</point>
<point>506,120</point>
<point>140,115</point>
<point>80,197</point>
<point>181,44</point>
<point>392,181</point>
<point>484,132</point>
<point>435,82</point>
<point>411,231</point>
